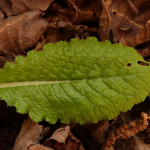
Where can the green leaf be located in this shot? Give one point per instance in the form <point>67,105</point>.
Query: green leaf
<point>80,81</point>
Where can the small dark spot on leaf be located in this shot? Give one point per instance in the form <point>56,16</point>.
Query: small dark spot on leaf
<point>129,65</point>
<point>142,63</point>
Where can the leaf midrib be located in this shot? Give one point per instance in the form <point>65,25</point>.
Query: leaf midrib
<point>14,84</point>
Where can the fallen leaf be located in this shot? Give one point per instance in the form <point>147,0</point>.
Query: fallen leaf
<point>89,13</point>
<point>73,143</point>
<point>105,21</point>
<point>29,135</point>
<point>139,38</point>
<point>21,6</point>
<point>18,33</point>
<point>130,25</point>
<point>39,147</point>
<point>81,32</point>
<point>57,140</point>
<point>66,20</point>
<point>58,13</point>
<point>40,44</point>
<point>67,29</point>
<point>6,7</point>
<point>53,34</point>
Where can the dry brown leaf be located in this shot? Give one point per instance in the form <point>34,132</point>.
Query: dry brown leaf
<point>57,140</point>
<point>67,29</point>
<point>58,13</point>
<point>63,21</point>
<point>18,33</point>
<point>29,135</point>
<point>73,143</point>
<point>139,38</point>
<point>53,33</point>
<point>90,13</point>
<point>81,32</point>
<point>6,7</point>
<point>74,14</point>
<point>105,21</point>
<point>39,147</point>
<point>40,45</point>
<point>130,24</point>
<point>21,6</point>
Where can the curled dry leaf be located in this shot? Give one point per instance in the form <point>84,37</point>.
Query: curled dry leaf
<point>29,135</point>
<point>81,32</point>
<point>73,143</point>
<point>57,140</point>
<point>130,25</point>
<point>21,6</point>
<point>18,33</point>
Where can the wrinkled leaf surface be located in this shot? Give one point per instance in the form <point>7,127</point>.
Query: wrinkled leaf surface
<point>80,81</point>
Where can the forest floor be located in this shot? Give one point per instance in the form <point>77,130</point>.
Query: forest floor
<point>27,25</point>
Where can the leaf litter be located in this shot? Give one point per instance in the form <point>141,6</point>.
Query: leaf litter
<point>19,33</point>
<point>63,20</point>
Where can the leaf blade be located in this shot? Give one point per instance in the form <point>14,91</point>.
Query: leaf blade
<point>77,86</point>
